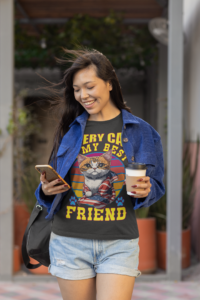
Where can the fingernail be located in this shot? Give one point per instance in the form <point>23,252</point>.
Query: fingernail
<point>65,185</point>
<point>59,179</point>
<point>134,186</point>
<point>140,179</point>
<point>43,172</point>
<point>133,192</point>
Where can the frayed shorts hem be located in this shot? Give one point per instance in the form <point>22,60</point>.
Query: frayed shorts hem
<point>87,274</point>
<point>73,275</point>
<point>119,270</point>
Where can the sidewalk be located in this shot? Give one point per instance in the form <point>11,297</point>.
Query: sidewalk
<point>142,291</point>
<point>25,287</point>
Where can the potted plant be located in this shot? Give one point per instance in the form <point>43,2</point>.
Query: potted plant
<point>147,241</point>
<point>159,210</point>
<point>22,124</point>
<point>30,180</point>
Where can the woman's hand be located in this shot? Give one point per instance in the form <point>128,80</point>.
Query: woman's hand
<point>143,183</point>
<point>49,188</point>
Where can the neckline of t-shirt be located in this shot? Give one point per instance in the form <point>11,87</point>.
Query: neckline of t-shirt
<point>103,122</point>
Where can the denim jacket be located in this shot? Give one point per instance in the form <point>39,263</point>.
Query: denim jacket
<point>141,143</point>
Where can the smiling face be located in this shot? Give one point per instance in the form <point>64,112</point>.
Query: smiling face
<point>93,93</point>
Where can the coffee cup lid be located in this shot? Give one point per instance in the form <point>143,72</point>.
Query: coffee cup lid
<point>136,166</point>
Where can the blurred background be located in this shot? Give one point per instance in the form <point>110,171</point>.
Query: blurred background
<point>135,36</point>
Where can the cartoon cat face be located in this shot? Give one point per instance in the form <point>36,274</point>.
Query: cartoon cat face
<point>96,165</point>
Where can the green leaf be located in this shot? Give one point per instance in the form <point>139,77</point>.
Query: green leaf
<point>142,212</point>
<point>124,45</point>
<point>22,117</point>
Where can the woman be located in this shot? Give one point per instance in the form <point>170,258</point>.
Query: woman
<point>94,241</point>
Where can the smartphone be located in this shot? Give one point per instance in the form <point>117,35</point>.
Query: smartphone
<point>51,174</point>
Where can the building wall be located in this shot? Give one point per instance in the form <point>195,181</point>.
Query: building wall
<point>132,85</point>
<point>192,67</point>
<point>192,99</point>
<point>162,98</point>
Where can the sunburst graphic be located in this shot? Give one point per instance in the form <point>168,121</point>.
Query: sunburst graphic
<point>77,178</point>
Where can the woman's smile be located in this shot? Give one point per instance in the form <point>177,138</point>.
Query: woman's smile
<point>89,104</point>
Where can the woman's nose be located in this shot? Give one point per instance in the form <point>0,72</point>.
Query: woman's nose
<point>84,94</point>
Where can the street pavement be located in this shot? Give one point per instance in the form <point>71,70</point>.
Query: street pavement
<point>166,290</point>
<point>27,287</point>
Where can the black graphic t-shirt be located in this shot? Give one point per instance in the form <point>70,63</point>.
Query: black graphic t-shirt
<point>97,206</point>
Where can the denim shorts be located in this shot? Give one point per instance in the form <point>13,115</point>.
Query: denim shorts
<point>79,258</point>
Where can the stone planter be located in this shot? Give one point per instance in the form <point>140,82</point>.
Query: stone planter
<point>16,259</point>
<point>147,244</point>
<point>21,218</point>
<point>161,248</point>
<point>40,270</point>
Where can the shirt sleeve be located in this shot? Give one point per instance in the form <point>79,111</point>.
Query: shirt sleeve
<point>156,174</point>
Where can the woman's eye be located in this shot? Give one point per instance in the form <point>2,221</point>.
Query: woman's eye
<point>89,88</point>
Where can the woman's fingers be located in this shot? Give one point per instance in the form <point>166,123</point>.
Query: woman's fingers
<point>52,185</point>
<point>145,178</point>
<point>54,189</point>
<point>49,188</point>
<point>141,186</point>
<point>54,182</point>
<point>43,178</point>
<point>54,192</point>
<point>142,183</point>
<point>141,194</point>
<point>138,192</point>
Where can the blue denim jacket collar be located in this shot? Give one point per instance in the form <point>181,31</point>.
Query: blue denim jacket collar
<point>81,120</point>
<point>127,117</point>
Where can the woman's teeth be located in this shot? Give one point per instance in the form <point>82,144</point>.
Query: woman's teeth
<point>87,103</point>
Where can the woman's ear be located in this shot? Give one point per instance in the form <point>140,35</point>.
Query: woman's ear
<point>110,86</point>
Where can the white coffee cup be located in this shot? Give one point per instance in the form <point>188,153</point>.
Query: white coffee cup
<point>134,171</point>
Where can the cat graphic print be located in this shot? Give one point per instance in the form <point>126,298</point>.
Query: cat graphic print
<point>94,180</point>
<point>98,187</point>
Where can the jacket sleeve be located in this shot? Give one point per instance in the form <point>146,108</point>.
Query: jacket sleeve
<point>156,174</point>
<point>43,199</point>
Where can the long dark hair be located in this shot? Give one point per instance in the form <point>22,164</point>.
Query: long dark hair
<point>81,59</point>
